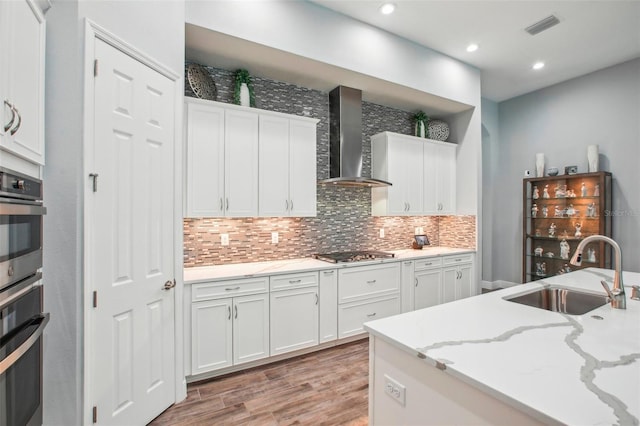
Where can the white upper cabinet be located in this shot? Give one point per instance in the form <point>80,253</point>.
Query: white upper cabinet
<point>22,40</point>
<point>287,166</point>
<point>439,178</point>
<point>245,162</point>
<point>422,173</point>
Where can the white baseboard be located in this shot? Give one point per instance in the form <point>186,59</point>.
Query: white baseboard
<point>493,285</point>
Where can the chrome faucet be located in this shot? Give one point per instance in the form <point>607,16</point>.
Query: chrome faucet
<point>616,294</point>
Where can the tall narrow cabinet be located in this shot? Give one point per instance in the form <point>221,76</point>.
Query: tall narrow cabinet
<point>558,213</point>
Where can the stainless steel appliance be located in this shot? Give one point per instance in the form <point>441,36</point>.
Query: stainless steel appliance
<point>21,318</point>
<point>352,256</point>
<point>21,213</point>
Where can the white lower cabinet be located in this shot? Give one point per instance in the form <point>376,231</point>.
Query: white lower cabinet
<point>406,285</point>
<point>227,331</point>
<point>428,285</point>
<point>294,315</point>
<point>457,278</point>
<point>328,288</point>
<point>352,316</point>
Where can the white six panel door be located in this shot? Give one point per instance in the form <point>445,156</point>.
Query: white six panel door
<point>130,254</point>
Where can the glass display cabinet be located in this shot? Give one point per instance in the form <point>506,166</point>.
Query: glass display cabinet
<point>558,212</point>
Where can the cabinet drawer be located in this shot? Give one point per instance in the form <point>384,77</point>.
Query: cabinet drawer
<point>433,262</point>
<point>286,282</point>
<point>218,289</point>
<point>352,316</point>
<point>454,260</point>
<point>368,281</point>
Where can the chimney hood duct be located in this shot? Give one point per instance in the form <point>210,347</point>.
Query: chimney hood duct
<point>345,140</point>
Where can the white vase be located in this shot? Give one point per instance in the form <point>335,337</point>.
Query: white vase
<point>540,165</point>
<point>592,158</point>
<point>245,99</point>
<point>420,128</point>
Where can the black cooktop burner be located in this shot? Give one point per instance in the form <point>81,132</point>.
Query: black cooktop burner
<point>352,256</point>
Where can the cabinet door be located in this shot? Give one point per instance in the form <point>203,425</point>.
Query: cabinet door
<point>241,163</point>
<point>250,328</point>
<point>465,280</point>
<point>428,288</point>
<point>328,289</point>
<point>294,319</point>
<point>274,166</point>
<point>406,286</point>
<point>447,178</point>
<point>405,173</point>
<point>302,167</point>
<point>211,335</point>
<point>398,176</point>
<point>352,316</point>
<point>431,179</point>
<point>25,79</point>
<point>205,161</point>
<point>413,182</point>
<point>449,284</point>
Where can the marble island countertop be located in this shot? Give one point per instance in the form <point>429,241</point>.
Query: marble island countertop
<point>558,368</point>
<point>251,269</point>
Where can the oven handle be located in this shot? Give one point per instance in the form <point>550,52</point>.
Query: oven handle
<point>14,356</point>
<point>22,209</point>
<point>17,290</point>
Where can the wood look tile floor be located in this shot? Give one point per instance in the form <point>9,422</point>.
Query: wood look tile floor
<point>329,387</point>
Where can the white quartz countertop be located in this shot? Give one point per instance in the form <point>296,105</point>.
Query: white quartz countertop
<point>240,270</point>
<point>577,370</point>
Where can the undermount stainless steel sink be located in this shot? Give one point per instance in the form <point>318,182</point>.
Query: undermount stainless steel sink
<point>559,299</point>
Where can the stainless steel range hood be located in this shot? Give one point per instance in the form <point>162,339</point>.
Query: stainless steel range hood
<point>345,140</point>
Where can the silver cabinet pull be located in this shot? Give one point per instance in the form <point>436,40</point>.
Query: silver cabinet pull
<point>428,264</point>
<point>407,263</point>
<point>13,116</point>
<point>408,207</point>
<point>15,129</point>
<point>328,272</point>
<point>236,308</point>
<point>316,298</point>
<point>294,281</point>
<point>371,315</point>
<point>169,285</point>
<point>94,176</point>
<point>221,205</point>
<point>371,282</point>
<point>286,205</point>
<point>232,288</point>
<point>290,205</point>
<point>416,282</point>
<point>229,307</point>
<point>458,260</point>
<point>227,203</point>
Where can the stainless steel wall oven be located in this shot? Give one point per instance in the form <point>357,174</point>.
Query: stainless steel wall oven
<point>21,300</point>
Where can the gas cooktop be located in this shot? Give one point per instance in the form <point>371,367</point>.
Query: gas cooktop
<point>352,256</point>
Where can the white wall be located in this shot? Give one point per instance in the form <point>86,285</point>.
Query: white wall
<point>490,137</point>
<point>156,28</point>
<point>560,121</point>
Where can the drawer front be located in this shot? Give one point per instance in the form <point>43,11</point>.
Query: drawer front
<point>289,281</point>
<point>455,260</point>
<point>351,317</point>
<point>218,289</point>
<point>432,262</point>
<point>368,281</point>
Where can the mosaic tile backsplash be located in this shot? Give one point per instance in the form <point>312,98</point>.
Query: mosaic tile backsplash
<point>343,220</point>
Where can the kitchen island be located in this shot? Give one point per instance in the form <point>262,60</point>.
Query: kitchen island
<point>486,360</point>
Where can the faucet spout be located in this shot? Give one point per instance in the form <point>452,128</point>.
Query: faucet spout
<point>617,295</point>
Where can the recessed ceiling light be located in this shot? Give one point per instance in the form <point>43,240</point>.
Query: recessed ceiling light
<point>472,47</point>
<point>538,65</point>
<point>387,8</point>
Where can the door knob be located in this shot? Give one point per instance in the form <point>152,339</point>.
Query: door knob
<point>169,285</point>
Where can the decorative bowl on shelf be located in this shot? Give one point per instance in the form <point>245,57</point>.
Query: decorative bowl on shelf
<point>552,171</point>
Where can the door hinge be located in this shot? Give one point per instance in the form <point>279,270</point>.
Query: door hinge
<point>95,299</point>
<point>95,67</point>
<point>95,414</point>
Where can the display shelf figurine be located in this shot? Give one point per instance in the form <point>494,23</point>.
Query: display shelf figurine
<point>591,210</point>
<point>596,191</point>
<point>549,254</point>
<point>545,211</point>
<point>591,255</point>
<point>571,193</point>
<point>578,233</point>
<point>558,212</point>
<point>583,189</point>
<point>538,251</point>
<point>552,230</point>
<point>545,192</point>
<point>534,211</point>
<point>538,233</point>
<point>541,268</point>
<point>561,191</point>
<point>564,249</point>
<point>571,211</point>
<point>536,193</point>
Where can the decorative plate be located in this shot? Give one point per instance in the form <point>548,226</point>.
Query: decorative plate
<point>201,82</point>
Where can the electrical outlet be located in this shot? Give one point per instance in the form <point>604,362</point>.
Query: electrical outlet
<point>416,231</point>
<point>275,238</point>
<point>395,390</point>
<point>224,239</point>
<point>381,232</point>
<point>420,231</point>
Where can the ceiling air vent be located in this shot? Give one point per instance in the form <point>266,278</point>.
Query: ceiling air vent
<point>542,25</point>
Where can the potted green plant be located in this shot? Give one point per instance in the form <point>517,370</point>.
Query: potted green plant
<point>243,92</point>
<point>422,121</point>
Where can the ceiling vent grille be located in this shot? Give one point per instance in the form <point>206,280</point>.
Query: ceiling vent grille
<point>542,25</point>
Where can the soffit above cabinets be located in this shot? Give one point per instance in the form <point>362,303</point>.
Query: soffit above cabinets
<point>220,50</point>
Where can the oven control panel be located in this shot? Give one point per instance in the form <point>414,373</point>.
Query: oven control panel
<point>17,185</point>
